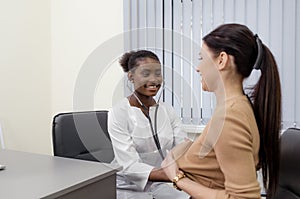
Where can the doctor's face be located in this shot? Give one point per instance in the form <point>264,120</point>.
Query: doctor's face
<point>147,77</point>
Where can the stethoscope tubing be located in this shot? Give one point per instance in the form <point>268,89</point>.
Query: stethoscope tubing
<point>153,129</point>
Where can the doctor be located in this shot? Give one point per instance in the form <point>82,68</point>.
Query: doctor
<point>142,130</point>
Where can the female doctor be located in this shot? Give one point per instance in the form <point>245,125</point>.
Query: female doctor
<point>142,130</point>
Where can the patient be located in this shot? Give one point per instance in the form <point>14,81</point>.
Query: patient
<point>142,129</point>
<point>243,133</point>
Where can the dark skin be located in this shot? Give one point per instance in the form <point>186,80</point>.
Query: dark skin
<point>148,101</point>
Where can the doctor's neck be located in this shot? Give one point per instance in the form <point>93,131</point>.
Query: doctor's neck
<point>142,100</point>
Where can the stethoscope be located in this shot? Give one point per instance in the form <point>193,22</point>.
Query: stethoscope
<point>153,128</point>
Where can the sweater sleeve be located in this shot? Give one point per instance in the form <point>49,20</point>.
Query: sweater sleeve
<point>235,154</point>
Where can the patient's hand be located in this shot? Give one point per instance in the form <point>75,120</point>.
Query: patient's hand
<point>169,166</point>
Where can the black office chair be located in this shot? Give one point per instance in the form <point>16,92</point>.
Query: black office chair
<point>289,173</point>
<point>82,135</point>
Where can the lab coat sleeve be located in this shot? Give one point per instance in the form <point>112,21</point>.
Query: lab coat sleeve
<point>179,133</point>
<point>126,155</point>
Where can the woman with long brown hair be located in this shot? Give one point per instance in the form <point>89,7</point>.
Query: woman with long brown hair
<point>243,134</point>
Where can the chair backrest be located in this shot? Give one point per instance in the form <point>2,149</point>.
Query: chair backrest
<point>82,135</point>
<point>289,173</point>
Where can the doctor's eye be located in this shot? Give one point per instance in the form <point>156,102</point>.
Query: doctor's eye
<point>145,73</point>
<point>158,73</point>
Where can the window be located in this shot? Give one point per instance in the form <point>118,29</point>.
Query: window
<point>173,30</point>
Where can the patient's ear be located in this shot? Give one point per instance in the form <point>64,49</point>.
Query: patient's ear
<point>223,60</point>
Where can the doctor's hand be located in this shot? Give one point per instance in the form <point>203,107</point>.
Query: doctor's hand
<point>170,166</point>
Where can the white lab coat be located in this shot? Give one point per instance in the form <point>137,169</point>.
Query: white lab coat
<point>136,152</point>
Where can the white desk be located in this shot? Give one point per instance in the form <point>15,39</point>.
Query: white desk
<point>31,176</point>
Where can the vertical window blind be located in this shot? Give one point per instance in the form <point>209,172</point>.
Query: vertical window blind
<point>173,30</point>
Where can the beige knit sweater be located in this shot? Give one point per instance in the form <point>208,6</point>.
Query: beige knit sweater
<point>225,155</point>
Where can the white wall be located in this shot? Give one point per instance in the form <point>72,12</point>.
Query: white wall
<point>43,47</point>
<point>25,74</point>
<point>79,28</point>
